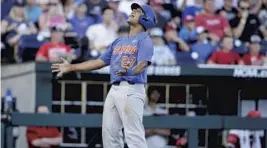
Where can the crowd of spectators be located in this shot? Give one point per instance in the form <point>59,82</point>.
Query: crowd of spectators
<point>203,31</point>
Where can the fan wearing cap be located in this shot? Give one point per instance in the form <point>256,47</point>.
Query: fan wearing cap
<point>173,40</point>
<point>225,55</point>
<point>203,47</point>
<point>162,54</point>
<point>53,50</point>
<point>253,57</point>
<point>80,21</point>
<point>246,138</point>
<point>128,58</point>
<point>188,31</point>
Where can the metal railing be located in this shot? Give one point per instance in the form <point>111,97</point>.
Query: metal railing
<point>192,124</point>
<point>84,101</point>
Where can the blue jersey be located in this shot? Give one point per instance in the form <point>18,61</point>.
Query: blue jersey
<point>125,53</point>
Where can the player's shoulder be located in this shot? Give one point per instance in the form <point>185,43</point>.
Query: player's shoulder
<point>118,39</point>
<point>144,35</point>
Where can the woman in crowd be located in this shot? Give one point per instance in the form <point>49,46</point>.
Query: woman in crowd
<point>53,17</point>
<point>16,25</point>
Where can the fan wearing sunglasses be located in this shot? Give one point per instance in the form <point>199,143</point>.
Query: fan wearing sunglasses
<point>246,24</point>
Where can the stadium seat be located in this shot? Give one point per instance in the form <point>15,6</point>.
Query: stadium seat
<point>264,47</point>
<point>28,47</point>
<point>242,49</point>
<point>184,58</point>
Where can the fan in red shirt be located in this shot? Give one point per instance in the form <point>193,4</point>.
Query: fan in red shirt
<point>246,138</point>
<point>53,50</point>
<point>226,55</point>
<point>217,25</point>
<point>43,137</point>
<point>253,57</point>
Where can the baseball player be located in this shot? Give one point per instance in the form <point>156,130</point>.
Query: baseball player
<point>128,58</point>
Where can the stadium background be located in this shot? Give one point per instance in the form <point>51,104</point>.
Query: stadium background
<point>189,88</point>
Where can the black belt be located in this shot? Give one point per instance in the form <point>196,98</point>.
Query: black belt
<point>118,83</point>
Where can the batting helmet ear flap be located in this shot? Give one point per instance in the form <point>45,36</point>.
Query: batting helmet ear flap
<point>146,22</point>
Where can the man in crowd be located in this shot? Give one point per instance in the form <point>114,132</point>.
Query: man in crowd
<point>216,25</point>
<point>32,11</point>
<point>246,24</point>
<point>225,55</point>
<point>203,47</point>
<point>43,137</point>
<point>102,35</point>
<point>174,42</point>
<point>119,17</point>
<point>253,57</point>
<point>53,50</point>
<point>95,6</point>
<point>162,53</point>
<point>156,138</point>
<point>228,10</point>
<point>80,22</point>
<point>188,31</point>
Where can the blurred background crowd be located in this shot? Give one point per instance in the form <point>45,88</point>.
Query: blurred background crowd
<point>188,31</point>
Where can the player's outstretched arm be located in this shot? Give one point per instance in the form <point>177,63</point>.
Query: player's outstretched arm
<point>66,67</point>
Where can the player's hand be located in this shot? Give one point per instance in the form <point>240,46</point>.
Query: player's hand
<point>121,72</point>
<point>62,68</point>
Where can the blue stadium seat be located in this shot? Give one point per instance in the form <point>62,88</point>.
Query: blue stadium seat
<point>184,58</point>
<point>242,49</point>
<point>28,47</point>
<point>264,47</point>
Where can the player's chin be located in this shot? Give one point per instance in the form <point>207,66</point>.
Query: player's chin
<point>130,20</point>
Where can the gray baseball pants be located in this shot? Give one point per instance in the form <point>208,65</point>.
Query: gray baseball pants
<point>123,108</point>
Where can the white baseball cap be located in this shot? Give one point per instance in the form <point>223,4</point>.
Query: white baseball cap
<point>156,32</point>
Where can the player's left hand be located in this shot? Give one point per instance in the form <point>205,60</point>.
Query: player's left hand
<point>121,72</point>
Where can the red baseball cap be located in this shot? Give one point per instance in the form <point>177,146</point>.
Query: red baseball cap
<point>254,114</point>
<point>189,18</point>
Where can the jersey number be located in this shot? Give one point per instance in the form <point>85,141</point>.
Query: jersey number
<point>127,62</point>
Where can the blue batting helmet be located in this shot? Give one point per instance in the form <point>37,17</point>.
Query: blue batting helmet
<point>148,20</point>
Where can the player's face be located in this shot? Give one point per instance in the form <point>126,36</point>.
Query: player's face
<point>135,15</point>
